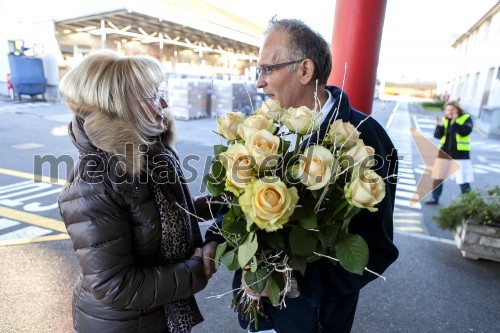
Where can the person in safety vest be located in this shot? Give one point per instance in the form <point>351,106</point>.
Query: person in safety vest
<point>454,133</point>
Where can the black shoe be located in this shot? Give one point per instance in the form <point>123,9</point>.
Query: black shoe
<point>431,202</point>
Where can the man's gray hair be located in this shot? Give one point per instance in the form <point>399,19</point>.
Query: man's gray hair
<point>303,42</point>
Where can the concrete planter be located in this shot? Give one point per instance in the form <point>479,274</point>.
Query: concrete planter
<point>478,241</point>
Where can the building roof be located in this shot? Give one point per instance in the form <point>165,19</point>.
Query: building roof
<point>492,11</point>
<point>193,24</point>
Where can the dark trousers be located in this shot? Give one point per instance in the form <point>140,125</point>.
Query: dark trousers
<point>438,189</point>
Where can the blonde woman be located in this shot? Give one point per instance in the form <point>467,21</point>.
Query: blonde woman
<point>126,205</point>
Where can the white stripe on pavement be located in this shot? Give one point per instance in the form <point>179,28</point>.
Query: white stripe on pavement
<point>28,232</point>
<point>7,223</point>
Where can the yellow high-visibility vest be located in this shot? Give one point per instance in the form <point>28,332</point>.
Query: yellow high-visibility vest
<point>463,142</point>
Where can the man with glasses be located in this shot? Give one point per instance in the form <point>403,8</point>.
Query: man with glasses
<point>294,63</point>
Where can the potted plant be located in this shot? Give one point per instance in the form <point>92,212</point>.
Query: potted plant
<point>475,217</point>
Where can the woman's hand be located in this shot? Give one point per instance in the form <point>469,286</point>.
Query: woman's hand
<point>439,121</point>
<point>208,254</point>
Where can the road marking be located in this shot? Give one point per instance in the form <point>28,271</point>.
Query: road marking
<point>406,203</point>
<point>31,176</point>
<point>407,221</point>
<point>27,232</point>
<point>406,214</point>
<point>33,219</point>
<point>410,188</point>
<point>29,145</point>
<point>406,181</point>
<point>415,121</point>
<point>427,237</point>
<point>487,168</point>
<point>34,240</point>
<point>413,229</point>
<point>391,117</point>
<point>20,201</point>
<point>7,223</point>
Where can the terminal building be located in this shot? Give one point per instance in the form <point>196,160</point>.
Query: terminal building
<point>202,48</point>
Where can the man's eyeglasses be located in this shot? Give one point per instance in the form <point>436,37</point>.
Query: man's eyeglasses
<point>265,71</point>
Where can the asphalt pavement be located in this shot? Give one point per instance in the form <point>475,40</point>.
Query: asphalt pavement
<point>430,288</point>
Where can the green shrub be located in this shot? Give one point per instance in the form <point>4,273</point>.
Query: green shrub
<point>437,105</point>
<point>480,206</point>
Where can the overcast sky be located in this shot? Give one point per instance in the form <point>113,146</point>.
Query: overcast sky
<point>417,36</point>
<point>416,42</point>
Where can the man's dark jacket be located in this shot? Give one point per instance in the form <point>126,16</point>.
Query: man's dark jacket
<point>328,293</point>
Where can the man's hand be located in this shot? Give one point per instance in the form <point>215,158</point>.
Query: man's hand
<point>208,258</point>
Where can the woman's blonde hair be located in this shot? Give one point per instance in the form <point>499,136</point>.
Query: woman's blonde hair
<point>120,86</point>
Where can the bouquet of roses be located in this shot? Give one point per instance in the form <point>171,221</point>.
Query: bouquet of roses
<point>290,200</point>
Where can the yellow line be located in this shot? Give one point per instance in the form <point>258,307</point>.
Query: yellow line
<point>409,229</point>
<point>27,175</point>
<point>34,239</point>
<point>34,219</point>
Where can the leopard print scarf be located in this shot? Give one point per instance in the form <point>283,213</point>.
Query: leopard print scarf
<point>180,232</point>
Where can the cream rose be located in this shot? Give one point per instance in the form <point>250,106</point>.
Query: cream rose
<point>227,126</point>
<point>365,191</point>
<point>239,167</point>
<point>271,109</point>
<point>342,134</point>
<point>314,168</point>
<point>263,146</point>
<point>268,203</point>
<point>254,123</point>
<point>301,120</point>
<point>360,152</point>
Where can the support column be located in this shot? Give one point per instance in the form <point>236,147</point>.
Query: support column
<point>103,33</point>
<point>357,33</point>
<point>160,53</point>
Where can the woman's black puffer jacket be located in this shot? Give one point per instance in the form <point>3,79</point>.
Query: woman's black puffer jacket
<point>116,233</point>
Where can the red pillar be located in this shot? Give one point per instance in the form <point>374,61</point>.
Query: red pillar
<point>357,33</point>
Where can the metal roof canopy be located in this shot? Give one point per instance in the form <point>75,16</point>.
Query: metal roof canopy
<point>125,23</point>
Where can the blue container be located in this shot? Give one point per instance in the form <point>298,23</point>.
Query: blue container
<point>27,75</point>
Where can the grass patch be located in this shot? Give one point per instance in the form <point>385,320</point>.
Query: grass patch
<point>433,106</point>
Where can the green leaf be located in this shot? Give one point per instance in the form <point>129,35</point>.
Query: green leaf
<point>233,225</point>
<point>272,239</point>
<point>284,146</point>
<point>352,252</point>
<point>274,292</point>
<point>302,242</point>
<point>306,216</point>
<point>230,260</point>
<point>214,186</point>
<point>299,264</point>
<point>218,171</point>
<point>253,267</point>
<point>327,235</point>
<point>247,249</point>
<point>238,212</point>
<point>218,149</point>
<point>257,280</point>
<point>221,248</point>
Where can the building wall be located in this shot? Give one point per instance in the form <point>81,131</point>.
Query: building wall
<point>477,73</point>
<point>477,79</point>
